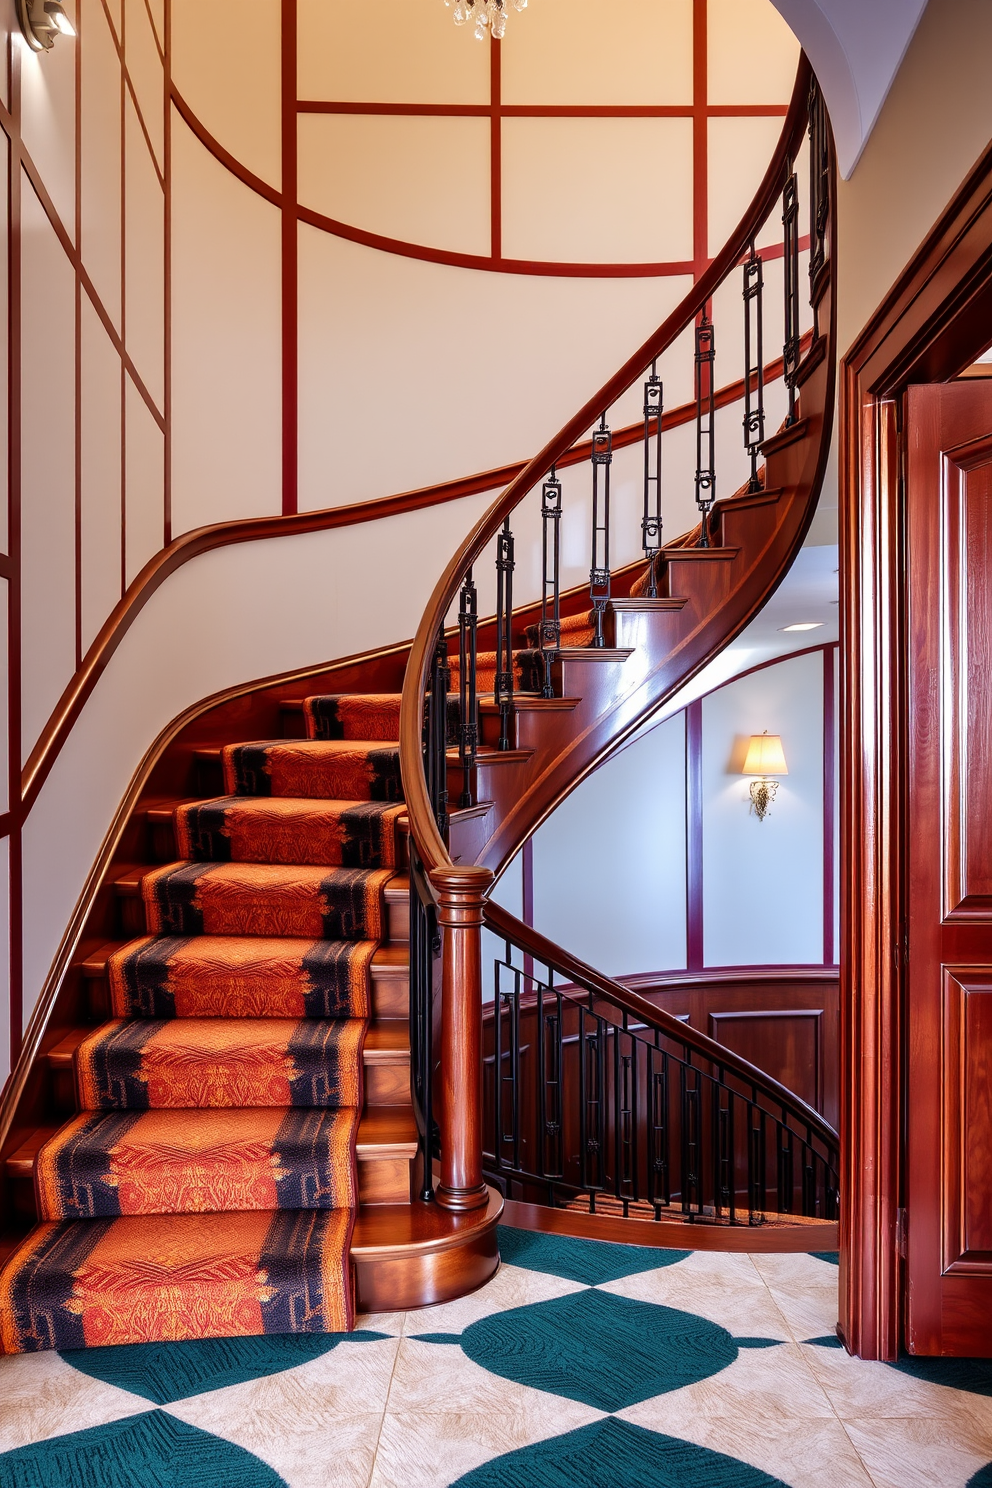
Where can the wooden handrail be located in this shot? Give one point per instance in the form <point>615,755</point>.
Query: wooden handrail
<point>423,828</point>
<point>501,922</point>
<point>258,529</point>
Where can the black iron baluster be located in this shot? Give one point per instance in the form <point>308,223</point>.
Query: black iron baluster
<point>436,736</point>
<point>555,1127</point>
<point>705,371</point>
<point>819,193</point>
<point>424,946</point>
<point>468,714</point>
<point>785,1177</point>
<point>599,572</point>
<point>791,346</point>
<point>651,527</point>
<point>550,628</point>
<point>808,1180</point>
<point>504,632</point>
<point>754,362</point>
<point>691,1148</point>
<point>515,1076</point>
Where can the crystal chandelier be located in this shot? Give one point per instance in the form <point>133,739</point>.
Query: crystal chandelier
<point>491,13</point>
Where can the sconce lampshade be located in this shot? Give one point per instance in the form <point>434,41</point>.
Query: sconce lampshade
<point>765,756</point>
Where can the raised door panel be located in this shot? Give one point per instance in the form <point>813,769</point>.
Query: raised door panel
<point>967,1123</point>
<point>948,950</point>
<point>966,721</point>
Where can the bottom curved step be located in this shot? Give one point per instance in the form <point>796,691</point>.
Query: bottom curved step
<point>416,1255</point>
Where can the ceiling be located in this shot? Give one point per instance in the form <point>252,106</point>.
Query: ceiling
<point>855,47</point>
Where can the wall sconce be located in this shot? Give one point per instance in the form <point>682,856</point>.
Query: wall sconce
<point>765,757</point>
<point>41,21</point>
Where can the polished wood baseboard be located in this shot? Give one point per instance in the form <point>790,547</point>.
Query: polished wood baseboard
<point>776,1237</point>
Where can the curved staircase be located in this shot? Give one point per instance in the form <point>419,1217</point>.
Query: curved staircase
<point>236,1113</point>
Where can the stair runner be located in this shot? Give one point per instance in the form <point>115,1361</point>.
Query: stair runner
<point>207,1186</point>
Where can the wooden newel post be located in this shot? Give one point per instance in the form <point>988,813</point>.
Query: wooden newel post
<point>460,896</point>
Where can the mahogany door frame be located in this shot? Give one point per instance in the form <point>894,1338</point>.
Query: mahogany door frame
<point>935,321</point>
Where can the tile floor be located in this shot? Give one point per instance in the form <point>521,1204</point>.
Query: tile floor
<point>581,1365</point>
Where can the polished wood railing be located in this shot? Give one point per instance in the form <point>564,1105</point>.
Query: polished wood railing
<point>675,620</point>
<point>593,1092</point>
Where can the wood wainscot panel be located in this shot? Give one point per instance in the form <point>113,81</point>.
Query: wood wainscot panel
<point>787,1044</point>
<point>784,1020</point>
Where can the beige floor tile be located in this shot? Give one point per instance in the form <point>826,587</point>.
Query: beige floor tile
<point>918,1453</point>
<point>419,1449</point>
<point>799,1452</point>
<point>429,1375</point>
<point>859,1388</point>
<point>762,1385</point>
<point>308,1450</point>
<point>735,1297</point>
<point>42,1396</point>
<point>512,1286</point>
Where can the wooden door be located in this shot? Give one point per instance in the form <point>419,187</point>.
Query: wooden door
<point>948,980</point>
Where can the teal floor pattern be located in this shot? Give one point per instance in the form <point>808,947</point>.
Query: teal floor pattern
<point>580,1365</point>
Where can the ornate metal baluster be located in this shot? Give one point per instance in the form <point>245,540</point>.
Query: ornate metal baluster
<point>654,407</point>
<point>436,736</point>
<point>550,629</point>
<point>504,632</point>
<point>705,424</point>
<point>691,1141</point>
<point>599,572</point>
<point>819,194</point>
<point>754,363</point>
<point>468,713</point>
<point>790,349</point>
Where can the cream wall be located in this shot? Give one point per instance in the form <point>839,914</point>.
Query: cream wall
<point>936,122</point>
<point>610,863</point>
<point>151,371</point>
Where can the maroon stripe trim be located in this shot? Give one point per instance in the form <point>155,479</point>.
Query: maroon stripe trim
<point>78,349</point>
<point>694,836</point>
<point>5,821</point>
<point>16,812</point>
<point>495,154</point>
<point>700,162</point>
<point>543,111</point>
<point>290,265</point>
<point>167,279</point>
<point>119,44</point>
<point>829,831</point>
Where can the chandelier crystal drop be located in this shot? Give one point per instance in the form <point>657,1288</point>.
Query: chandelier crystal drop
<point>491,13</point>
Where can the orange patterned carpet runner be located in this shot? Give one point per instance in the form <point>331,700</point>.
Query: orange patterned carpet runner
<point>207,1186</point>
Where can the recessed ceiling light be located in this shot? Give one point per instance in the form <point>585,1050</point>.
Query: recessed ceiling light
<point>803,625</point>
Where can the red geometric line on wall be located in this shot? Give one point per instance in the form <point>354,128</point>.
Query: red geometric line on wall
<point>547,110</point>
<point>126,76</point>
<point>400,247</point>
<point>69,248</point>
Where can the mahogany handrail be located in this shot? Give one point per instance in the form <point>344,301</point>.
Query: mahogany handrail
<point>506,925</point>
<point>200,540</point>
<point>423,828</point>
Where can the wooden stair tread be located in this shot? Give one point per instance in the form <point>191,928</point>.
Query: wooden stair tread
<point>529,702</point>
<point>387,1042</point>
<point>493,757</point>
<point>396,890</point>
<point>383,1132</point>
<point>595,653</point>
<point>641,605</point>
<point>705,555</point>
<point>385,1229</point>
